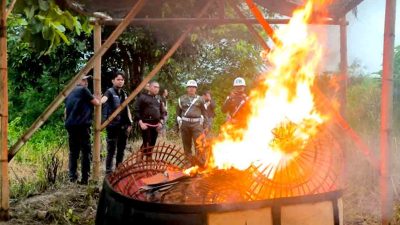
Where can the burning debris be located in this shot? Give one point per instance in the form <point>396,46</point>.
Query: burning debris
<point>282,148</point>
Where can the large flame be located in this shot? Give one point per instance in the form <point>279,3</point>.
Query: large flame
<point>282,115</point>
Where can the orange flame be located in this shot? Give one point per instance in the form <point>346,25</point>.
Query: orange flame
<point>282,115</point>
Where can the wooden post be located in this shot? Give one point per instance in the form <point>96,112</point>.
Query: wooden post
<point>97,109</point>
<point>70,86</point>
<point>156,69</point>
<point>343,65</point>
<point>386,112</point>
<point>4,186</point>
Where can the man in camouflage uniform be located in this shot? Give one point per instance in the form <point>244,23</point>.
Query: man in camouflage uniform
<point>191,116</point>
<point>236,100</point>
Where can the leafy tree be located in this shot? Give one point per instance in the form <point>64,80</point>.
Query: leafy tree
<point>35,79</point>
<point>46,24</point>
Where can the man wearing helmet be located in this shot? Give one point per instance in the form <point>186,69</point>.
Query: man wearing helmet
<point>235,101</point>
<point>191,116</point>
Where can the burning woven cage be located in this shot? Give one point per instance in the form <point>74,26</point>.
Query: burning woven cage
<point>259,195</point>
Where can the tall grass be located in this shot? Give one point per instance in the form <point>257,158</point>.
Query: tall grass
<point>29,168</point>
<point>362,180</point>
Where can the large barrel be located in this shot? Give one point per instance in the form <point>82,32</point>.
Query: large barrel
<point>319,209</point>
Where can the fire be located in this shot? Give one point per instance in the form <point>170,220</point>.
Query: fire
<point>282,115</point>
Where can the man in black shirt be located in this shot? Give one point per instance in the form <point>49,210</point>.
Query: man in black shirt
<point>121,125</point>
<point>149,113</point>
<point>78,112</point>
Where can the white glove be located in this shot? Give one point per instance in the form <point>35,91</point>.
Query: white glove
<point>179,120</point>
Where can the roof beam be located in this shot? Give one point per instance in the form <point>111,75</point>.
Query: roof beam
<point>205,21</point>
<point>348,7</point>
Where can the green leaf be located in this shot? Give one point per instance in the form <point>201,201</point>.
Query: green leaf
<point>59,27</point>
<point>43,5</point>
<point>62,36</point>
<point>47,33</point>
<point>36,26</point>
<point>29,12</point>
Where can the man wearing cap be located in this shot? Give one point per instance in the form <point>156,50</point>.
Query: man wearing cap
<point>236,100</point>
<point>78,119</point>
<point>191,116</point>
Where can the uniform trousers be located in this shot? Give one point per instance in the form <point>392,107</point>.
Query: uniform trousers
<point>190,131</point>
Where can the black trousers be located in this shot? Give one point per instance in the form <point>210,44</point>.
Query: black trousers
<point>116,142</point>
<point>149,137</point>
<point>79,141</point>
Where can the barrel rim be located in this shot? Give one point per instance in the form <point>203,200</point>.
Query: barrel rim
<point>218,207</point>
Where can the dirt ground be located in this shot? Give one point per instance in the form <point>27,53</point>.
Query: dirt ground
<point>69,204</point>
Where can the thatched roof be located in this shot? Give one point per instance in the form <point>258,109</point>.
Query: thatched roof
<point>117,9</point>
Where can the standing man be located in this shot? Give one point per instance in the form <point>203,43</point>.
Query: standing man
<point>119,128</point>
<point>235,101</point>
<point>149,112</point>
<point>191,116</point>
<point>210,108</point>
<point>78,119</point>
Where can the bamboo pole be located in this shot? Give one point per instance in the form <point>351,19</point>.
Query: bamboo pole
<point>386,112</point>
<point>256,12</point>
<point>97,109</point>
<point>4,185</point>
<point>155,69</point>
<point>70,86</point>
<point>343,65</point>
<point>10,7</point>
<point>250,27</point>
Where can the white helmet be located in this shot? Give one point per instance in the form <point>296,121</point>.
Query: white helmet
<point>239,82</point>
<point>191,83</point>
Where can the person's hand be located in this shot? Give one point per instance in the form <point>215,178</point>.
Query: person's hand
<point>142,125</point>
<point>159,127</point>
<point>128,130</point>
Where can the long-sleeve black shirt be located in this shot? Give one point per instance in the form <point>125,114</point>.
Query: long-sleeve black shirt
<point>148,108</point>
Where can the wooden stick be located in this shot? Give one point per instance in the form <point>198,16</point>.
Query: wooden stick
<point>4,180</point>
<point>386,194</point>
<point>10,8</point>
<point>256,12</point>
<point>97,109</point>
<point>343,65</point>
<point>155,70</point>
<point>71,85</point>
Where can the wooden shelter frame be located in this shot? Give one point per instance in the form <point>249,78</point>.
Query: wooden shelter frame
<point>95,63</point>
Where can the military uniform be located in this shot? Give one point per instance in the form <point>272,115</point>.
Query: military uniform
<point>233,104</point>
<point>192,117</point>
